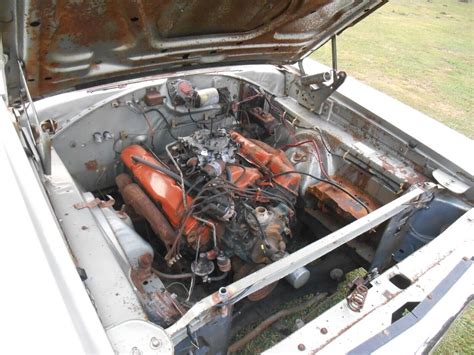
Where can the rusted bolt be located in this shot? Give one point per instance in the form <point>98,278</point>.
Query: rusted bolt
<point>324,331</point>
<point>465,258</point>
<point>301,347</point>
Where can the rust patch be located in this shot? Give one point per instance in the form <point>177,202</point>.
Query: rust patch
<point>388,295</point>
<point>97,29</point>
<point>142,272</point>
<point>91,165</point>
<point>341,202</point>
<point>135,197</point>
<point>94,203</point>
<point>50,126</point>
<point>153,97</point>
<point>411,176</point>
<point>263,119</point>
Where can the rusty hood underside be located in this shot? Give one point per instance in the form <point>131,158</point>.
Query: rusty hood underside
<point>67,44</point>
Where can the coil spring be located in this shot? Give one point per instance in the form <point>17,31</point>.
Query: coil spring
<point>356,300</point>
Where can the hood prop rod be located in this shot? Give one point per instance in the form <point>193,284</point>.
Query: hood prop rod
<point>334,53</point>
<point>44,141</point>
<point>320,78</point>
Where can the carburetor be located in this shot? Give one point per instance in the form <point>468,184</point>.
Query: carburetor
<point>208,150</point>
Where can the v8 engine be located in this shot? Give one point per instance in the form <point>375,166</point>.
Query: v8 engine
<point>225,195</point>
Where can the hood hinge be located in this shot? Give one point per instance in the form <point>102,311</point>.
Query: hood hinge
<point>315,88</point>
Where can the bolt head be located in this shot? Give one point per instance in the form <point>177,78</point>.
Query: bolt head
<point>155,343</point>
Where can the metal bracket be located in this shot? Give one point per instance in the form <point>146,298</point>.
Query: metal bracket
<point>450,182</point>
<point>311,98</point>
<point>94,203</point>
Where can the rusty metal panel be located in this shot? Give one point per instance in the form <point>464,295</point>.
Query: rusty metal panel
<point>344,205</point>
<point>69,43</point>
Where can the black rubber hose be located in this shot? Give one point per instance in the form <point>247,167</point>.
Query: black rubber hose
<point>172,276</point>
<point>168,125</point>
<point>160,169</point>
<point>218,278</point>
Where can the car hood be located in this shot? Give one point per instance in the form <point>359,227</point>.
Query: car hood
<point>70,44</point>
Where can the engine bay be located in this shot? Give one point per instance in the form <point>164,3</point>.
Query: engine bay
<point>206,179</point>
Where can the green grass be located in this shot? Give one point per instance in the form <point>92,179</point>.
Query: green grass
<point>459,339</point>
<point>420,52</point>
<point>272,336</point>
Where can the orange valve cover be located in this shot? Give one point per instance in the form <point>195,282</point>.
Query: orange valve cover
<point>268,157</point>
<point>244,176</point>
<point>165,190</point>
